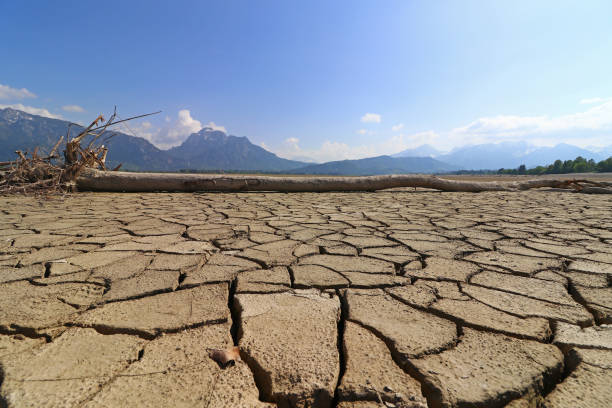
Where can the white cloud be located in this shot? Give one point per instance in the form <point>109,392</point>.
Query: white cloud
<point>6,92</point>
<point>594,122</point>
<point>590,101</point>
<point>186,124</point>
<point>592,126</point>
<point>502,125</point>
<point>213,126</point>
<point>371,118</point>
<point>291,147</point>
<point>32,110</point>
<point>174,132</point>
<point>73,108</point>
<point>144,129</point>
<point>334,150</point>
<point>402,142</point>
<point>362,131</point>
<point>397,127</point>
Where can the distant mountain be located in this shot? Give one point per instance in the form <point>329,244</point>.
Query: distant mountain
<point>136,153</point>
<point>305,159</point>
<point>23,131</point>
<point>420,151</point>
<point>205,150</point>
<point>603,152</point>
<point>214,150</point>
<point>211,150</point>
<point>493,156</point>
<point>487,156</point>
<point>547,155</point>
<point>378,165</point>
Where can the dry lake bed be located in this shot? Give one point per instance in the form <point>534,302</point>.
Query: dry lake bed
<point>386,299</point>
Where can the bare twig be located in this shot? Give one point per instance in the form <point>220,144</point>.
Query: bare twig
<point>103,129</point>
<point>56,146</point>
<point>128,119</point>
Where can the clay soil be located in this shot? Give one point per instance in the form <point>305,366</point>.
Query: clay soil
<point>386,299</point>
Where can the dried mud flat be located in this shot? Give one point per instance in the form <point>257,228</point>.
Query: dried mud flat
<point>387,299</point>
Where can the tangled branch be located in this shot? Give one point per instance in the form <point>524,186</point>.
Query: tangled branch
<point>33,173</point>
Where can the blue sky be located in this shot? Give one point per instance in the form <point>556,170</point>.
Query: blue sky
<point>322,79</point>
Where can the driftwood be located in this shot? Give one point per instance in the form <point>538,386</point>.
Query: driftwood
<point>95,180</point>
<point>32,173</point>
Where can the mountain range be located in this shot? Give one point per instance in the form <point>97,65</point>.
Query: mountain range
<point>205,150</point>
<point>213,150</point>
<point>424,150</point>
<point>378,165</point>
<point>507,155</point>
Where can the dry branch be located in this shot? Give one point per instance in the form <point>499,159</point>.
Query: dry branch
<point>148,182</point>
<point>35,174</point>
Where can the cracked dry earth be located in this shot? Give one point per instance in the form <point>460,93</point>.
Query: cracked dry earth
<point>358,300</point>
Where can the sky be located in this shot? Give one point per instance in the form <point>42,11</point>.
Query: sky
<point>323,80</point>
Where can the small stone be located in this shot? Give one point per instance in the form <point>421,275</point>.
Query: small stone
<point>175,371</point>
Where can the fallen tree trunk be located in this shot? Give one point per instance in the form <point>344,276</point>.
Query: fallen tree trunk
<point>95,180</point>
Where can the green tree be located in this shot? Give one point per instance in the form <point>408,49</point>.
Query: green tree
<point>580,166</point>
<point>605,165</point>
<point>592,166</point>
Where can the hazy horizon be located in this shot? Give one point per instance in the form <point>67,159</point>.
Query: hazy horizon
<point>321,80</point>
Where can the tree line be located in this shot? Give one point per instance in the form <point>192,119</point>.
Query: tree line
<point>578,165</point>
